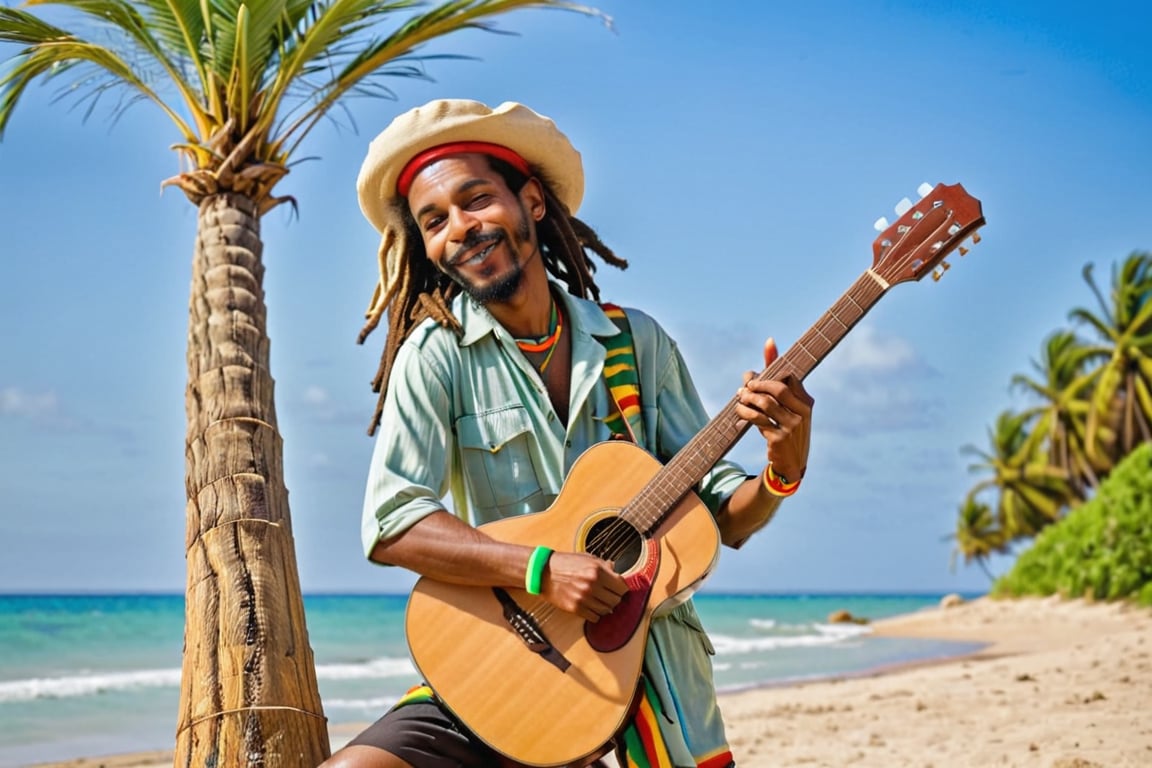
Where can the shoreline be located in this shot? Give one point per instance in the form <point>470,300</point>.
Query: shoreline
<point>1052,684</point>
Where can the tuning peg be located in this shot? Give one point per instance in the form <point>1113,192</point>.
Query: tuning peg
<point>939,272</point>
<point>963,251</point>
<point>881,224</point>
<point>903,206</point>
<point>924,189</point>
<point>975,237</point>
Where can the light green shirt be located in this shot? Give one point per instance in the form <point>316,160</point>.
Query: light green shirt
<point>470,416</point>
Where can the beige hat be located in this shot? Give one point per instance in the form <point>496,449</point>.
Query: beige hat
<point>533,137</point>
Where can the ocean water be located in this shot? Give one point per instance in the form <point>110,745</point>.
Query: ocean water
<point>100,674</point>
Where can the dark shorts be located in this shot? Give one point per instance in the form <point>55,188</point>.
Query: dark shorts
<point>425,736</point>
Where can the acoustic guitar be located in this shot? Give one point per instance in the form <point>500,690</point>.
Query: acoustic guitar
<point>542,686</point>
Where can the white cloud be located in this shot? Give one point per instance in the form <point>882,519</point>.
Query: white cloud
<point>866,350</point>
<point>315,395</point>
<point>875,383</point>
<point>317,404</point>
<point>37,406</point>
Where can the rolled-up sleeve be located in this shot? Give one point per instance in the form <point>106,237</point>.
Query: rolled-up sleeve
<point>411,462</point>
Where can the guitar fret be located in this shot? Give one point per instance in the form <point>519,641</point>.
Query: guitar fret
<point>831,315</point>
<point>804,349</point>
<point>854,303</point>
<point>817,329</point>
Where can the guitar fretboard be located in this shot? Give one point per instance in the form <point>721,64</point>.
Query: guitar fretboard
<point>681,474</point>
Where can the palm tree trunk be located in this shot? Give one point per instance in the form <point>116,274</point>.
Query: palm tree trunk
<point>983,563</point>
<point>248,694</point>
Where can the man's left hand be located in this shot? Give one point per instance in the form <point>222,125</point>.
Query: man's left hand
<point>782,411</point>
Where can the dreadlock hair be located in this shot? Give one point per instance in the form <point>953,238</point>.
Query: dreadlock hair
<point>423,291</point>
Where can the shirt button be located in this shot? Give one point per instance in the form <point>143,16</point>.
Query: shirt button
<point>550,416</point>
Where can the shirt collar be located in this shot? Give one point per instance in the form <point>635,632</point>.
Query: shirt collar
<point>583,315</point>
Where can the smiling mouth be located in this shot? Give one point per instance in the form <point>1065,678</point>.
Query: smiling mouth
<point>477,257</point>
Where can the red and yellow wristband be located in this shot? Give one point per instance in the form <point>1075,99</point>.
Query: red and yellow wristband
<point>778,485</point>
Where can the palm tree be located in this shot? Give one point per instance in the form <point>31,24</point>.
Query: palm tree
<point>1060,420</point>
<point>978,535</point>
<point>1120,413</point>
<point>1031,493</point>
<point>243,83</point>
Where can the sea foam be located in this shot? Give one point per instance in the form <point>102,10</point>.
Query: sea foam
<point>71,686</point>
<point>86,685</point>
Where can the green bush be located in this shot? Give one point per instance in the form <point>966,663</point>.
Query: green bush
<point>1100,550</point>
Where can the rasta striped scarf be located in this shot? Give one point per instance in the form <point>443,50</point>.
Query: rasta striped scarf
<point>622,379</point>
<point>641,744</point>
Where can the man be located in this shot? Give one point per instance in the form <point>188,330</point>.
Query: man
<point>492,384</point>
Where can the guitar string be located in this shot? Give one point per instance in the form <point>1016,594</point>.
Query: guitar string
<point>618,536</point>
<point>615,545</point>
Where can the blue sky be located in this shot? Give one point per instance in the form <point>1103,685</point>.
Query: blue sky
<point>736,153</point>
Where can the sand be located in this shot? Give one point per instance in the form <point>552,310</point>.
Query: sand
<point>1061,684</point>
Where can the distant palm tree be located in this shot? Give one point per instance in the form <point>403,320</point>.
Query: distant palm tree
<point>1120,413</point>
<point>1059,422</point>
<point>978,535</point>
<point>243,83</point>
<point>1031,493</point>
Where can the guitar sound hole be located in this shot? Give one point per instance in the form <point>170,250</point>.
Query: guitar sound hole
<point>615,540</point>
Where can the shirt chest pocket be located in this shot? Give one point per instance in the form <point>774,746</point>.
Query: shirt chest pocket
<point>497,452</point>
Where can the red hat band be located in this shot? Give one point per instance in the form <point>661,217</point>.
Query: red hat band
<point>429,156</point>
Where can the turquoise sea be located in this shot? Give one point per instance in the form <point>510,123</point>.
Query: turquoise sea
<point>85,675</point>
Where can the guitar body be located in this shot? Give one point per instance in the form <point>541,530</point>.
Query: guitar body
<point>555,708</point>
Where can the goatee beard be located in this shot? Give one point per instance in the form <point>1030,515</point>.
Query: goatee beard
<point>505,287</point>
<point>498,291</point>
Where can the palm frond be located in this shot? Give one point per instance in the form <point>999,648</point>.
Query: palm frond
<point>331,25</point>
<point>54,52</point>
<point>180,27</point>
<point>248,38</point>
<point>122,17</point>
<point>240,85</point>
<point>403,42</point>
<point>255,76</point>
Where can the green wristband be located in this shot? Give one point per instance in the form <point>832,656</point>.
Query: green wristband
<point>534,576</point>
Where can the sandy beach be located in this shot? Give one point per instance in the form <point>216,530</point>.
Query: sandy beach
<point>1061,684</point>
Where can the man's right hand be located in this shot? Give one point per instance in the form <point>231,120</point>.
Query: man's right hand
<point>582,584</point>
<point>443,547</point>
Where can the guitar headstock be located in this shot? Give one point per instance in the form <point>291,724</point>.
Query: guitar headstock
<point>925,233</point>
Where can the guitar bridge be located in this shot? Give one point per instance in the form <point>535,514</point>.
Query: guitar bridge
<point>529,631</point>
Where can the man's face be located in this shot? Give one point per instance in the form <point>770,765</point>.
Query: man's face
<point>475,229</point>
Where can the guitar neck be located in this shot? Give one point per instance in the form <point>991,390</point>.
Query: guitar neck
<point>681,474</point>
